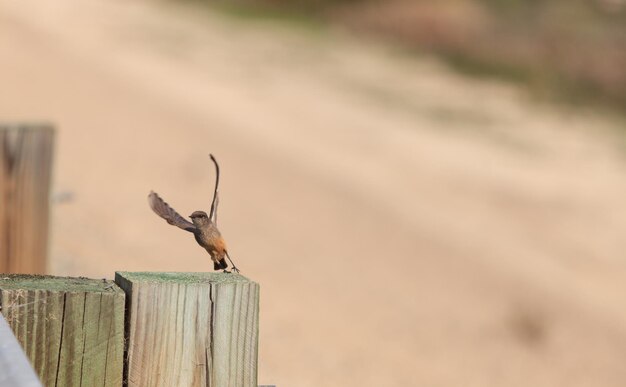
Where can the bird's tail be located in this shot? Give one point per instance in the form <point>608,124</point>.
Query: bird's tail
<point>221,264</point>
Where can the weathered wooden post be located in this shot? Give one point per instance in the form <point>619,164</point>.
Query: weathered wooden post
<point>72,329</point>
<point>190,329</point>
<point>25,166</point>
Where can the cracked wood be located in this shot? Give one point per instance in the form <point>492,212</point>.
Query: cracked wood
<point>191,329</point>
<point>71,329</point>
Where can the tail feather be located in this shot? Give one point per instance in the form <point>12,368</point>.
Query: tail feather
<point>221,264</point>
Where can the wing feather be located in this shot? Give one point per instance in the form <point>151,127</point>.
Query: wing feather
<point>161,208</point>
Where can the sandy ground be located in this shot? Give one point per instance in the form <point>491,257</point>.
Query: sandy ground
<point>408,226</point>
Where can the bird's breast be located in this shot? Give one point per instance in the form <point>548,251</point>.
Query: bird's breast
<point>209,238</point>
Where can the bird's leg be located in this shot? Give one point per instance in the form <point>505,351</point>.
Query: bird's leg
<point>233,265</point>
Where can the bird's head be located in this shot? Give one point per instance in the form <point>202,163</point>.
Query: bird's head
<point>199,218</point>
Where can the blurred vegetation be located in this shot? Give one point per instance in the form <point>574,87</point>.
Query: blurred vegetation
<point>574,50</point>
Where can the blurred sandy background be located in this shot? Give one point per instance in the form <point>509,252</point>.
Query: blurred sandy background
<point>409,226</point>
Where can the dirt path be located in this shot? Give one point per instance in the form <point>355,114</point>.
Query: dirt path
<point>408,226</point>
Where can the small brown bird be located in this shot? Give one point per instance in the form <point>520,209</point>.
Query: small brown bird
<point>203,226</point>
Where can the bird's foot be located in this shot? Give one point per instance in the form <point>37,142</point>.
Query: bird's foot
<point>235,269</point>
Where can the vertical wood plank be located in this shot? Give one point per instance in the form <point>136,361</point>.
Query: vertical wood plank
<point>72,329</point>
<point>25,170</point>
<point>191,329</point>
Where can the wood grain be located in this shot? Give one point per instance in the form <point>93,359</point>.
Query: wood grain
<point>25,168</point>
<point>71,329</point>
<point>191,329</point>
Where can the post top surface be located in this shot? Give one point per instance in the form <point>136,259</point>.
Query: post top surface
<point>52,283</point>
<point>187,278</point>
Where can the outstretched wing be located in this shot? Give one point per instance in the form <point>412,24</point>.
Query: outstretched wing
<point>166,212</point>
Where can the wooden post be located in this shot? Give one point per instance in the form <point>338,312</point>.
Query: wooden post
<point>25,164</point>
<point>72,329</point>
<point>15,370</point>
<point>190,329</point>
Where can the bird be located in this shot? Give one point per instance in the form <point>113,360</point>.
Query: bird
<point>203,226</point>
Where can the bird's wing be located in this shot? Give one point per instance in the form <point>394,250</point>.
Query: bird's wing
<point>166,212</point>
<point>216,199</point>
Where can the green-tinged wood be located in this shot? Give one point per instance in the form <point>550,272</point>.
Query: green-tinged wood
<point>25,169</point>
<point>191,329</point>
<point>72,329</point>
